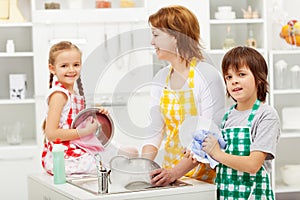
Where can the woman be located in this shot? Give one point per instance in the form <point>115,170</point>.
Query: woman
<point>187,87</point>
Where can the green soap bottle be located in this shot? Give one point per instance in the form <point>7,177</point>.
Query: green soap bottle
<point>58,162</point>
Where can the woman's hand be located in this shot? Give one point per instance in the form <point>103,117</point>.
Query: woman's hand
<point>189,155</point>
<point>162,177</point>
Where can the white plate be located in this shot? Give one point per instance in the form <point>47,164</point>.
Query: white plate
<point>193,124</point>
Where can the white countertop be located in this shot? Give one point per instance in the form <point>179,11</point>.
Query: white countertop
<point>197,190</point>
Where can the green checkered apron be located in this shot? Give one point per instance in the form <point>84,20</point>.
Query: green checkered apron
<point>233,184</point>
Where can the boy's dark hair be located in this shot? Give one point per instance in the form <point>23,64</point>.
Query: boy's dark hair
<point>251,58</point>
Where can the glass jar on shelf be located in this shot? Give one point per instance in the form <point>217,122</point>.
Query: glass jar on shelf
<point>281,75</point>
<point>229,41</point>
<point>295,74</point>
<point>251,42</point>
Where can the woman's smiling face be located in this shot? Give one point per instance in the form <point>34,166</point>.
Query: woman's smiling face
<point>164,44</point>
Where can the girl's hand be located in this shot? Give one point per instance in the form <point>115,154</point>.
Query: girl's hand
<point>91,126</point>
<point>211,145</point>
<point>162,177</point>
<point>103,110</point>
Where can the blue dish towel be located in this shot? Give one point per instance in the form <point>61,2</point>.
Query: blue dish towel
<point>196,146</point>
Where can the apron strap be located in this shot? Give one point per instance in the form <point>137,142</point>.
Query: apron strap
<point>190,79</point>
<point>253,111</point>
<point>69,121</point>
<point>251,115</point>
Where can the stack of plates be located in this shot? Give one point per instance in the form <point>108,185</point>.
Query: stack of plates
<point>225,12</point>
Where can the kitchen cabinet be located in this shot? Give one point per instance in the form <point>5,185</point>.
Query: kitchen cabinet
<point>20,61</point>
<point>16,163</point>
<point>278,98</point>
<point>18,127</point>
<point>237,28</point>
<point>39,191</point>
<point>285,99</point>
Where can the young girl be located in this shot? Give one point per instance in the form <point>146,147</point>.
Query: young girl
<point>251,129</point>
<point>63,105</point>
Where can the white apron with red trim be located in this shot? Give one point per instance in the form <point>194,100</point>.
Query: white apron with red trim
<point>77,160</point>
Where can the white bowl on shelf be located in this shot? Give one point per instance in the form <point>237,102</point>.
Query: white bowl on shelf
<point>291,174</point>
<point>224,8</point>
<point>225,15</point>
<point>75,4</point>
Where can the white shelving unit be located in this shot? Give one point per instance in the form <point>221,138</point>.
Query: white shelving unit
<point>239,27</point>
<point>278,98</point>
<point>17,160</point>
<point>20,61</point>
<point>288,147</point>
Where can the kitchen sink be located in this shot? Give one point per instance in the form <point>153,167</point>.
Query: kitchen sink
<point>90,184</point>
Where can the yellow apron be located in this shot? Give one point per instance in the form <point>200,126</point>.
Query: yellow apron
<point>176,105</point>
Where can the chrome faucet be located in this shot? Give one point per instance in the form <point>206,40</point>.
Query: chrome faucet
<point>103,175</point>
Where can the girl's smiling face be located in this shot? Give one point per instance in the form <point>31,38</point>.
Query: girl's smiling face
<point>164,44</point>
<point>241,84</point>
<point>67,67</point>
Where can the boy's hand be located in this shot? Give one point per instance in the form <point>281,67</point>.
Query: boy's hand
<point>211,145</point>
